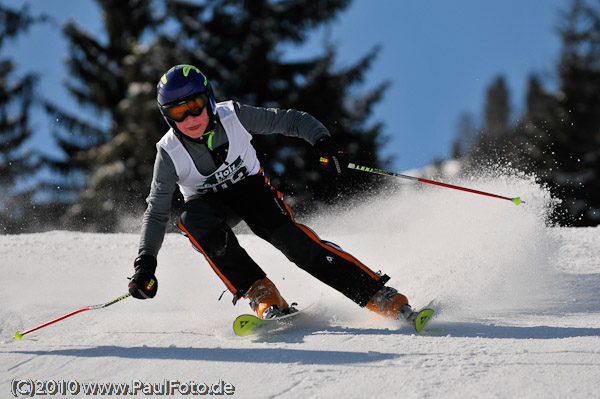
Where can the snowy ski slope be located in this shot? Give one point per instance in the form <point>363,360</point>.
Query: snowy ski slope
<point>519,315</point>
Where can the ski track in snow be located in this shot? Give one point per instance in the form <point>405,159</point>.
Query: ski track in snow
<point>518,310</point>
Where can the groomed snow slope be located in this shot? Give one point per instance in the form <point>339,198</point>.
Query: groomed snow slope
<point>518,306</point>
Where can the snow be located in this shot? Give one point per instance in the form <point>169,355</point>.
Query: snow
<point>517,300</point>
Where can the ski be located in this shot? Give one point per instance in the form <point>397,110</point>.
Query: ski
<point>249,324</point>
<point>421,318</point>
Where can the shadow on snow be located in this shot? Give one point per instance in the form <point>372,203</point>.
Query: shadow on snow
<point>235,355</point>
<point>323,357</point>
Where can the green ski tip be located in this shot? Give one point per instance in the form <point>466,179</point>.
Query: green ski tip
<point>517,200</point>
<point>18,335</point>
<point>422,318</point>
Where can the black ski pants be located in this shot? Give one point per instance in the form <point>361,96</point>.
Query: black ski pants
<point>207,221</point>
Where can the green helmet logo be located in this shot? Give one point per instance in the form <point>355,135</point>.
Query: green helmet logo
<point>186,71</point>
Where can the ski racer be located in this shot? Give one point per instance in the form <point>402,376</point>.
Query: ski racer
<point>208,153</point>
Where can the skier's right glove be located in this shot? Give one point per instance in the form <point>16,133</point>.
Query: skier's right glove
<point>143,284</point>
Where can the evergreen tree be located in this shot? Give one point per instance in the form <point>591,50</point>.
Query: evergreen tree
<point>563,130</point>
<point>558,138</point>
<point>532,150</point>
<point>576,132</point>
<point>497,108</point>
<point>492,144</point>
<point>239,45</point>
<point>107,161</point>
<point>466,133</point>
<point>16,96</point>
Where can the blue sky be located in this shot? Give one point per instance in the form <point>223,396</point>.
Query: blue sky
<point>440,56</point>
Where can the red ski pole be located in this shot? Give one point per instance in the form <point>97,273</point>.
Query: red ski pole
<point>19,335</point>
<point>516,200</point>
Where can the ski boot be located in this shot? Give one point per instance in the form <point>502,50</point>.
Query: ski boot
<point>266,300</point>
<point>389,303</point>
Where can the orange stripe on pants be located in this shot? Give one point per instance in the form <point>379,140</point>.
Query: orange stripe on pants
<point>336,251</point>
<point>197,246</point>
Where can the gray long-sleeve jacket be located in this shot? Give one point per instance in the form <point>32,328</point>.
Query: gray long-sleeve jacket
<point>255,120</point>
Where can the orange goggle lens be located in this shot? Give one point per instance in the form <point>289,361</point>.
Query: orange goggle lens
<point>179,111</point>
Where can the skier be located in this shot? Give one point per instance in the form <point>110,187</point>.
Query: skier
<point>208,153</point>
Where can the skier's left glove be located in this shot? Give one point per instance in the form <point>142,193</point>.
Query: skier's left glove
<point>143,284</point>
<point>331,156</point>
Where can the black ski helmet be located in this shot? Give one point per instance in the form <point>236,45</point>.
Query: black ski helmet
<point>180,82</point>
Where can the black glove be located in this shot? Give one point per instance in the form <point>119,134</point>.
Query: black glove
<point>331,156</point>
<point>143,284</point>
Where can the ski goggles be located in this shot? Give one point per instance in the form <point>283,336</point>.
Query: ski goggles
<point>180,110</point>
